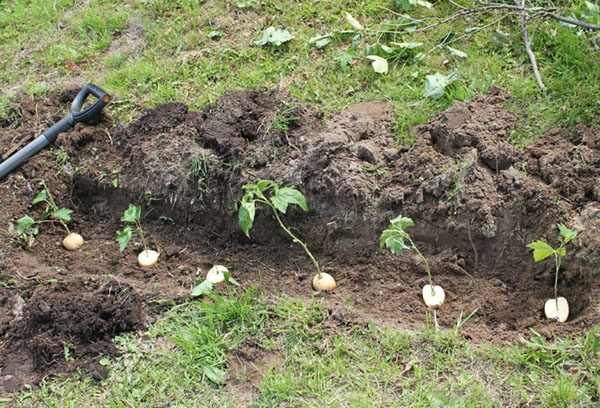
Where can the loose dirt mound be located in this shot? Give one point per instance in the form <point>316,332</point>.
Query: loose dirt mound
<point>476,201</point>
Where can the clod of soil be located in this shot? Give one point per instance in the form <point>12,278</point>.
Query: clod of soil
<point>557,309</point>
<point>433,296</point>
<point>148,257</point>
<point>323,282</point>
<point>216,274</point>
<point>73,241</point>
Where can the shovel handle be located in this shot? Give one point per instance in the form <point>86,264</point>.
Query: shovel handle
<point>91,111</point>
<point>49,136</point>
<point>76,114</point>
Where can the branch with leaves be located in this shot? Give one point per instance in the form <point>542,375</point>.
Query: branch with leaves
<point>277,198</point>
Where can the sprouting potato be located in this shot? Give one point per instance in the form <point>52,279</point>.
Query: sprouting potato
<point>323,281</point>
<point>148,257</point>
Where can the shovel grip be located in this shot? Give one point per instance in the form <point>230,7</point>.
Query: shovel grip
<point>91,111</point>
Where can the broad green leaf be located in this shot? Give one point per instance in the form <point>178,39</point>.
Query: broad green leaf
<point>457,53</point>
<point>353,22</point>
<point>393,240</point>
<point>249,186</point>
<point>436,84</point>
<point>123,237</point>
<point>40,197</point>
<point>215,374</point>
<point>561,251</point>
<point>264,184</point>
<point>320,41</point>
<point>63,214</point>
<point>23,223</point>
<point>202,288</point>
<point>274,36</point>
<point>104,361</point>
<point>132,214</point>
<point>229,279</point>
<point>286,196</point>
<point>541,250</point>
<point>380,50</point>
<point>402,222</point>
<point>246,214</point>
<point>567,233</point>
<point>380,65</point>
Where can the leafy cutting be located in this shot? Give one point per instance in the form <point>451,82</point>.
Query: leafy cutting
<point>133,215</point>
<point>396,239</point>
<point>269,193</point>
<point>542,250</point>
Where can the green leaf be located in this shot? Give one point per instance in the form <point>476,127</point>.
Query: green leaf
<point>541,250</point>
<point>436,84</point>
<point>380,65</point>
<point>40,197</point>
<point>567,233</point>
<point>380,50</point>
<point>274,36</point>
<point>23,223</point>
<point>229,279</point>
<point>561,251</point>
<point>63,214</point>
<point>202,288</point>
<point>264,184</point>
<point>402,222</point>
<point>104,361</point>
<point>393,240</point>
<point>246,214</point>
<point>353,22</point>
<point>457,53</point>
<point>286,196</point>
<point>123,237</point>
<point>215,374</point>
<point>321,41</point>
<point>132,214</point>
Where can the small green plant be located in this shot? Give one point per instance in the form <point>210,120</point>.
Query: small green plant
<point>556,308</point>
<point>278,199</point>
<point>133,215</point>
<point>28,228</point>
<point>393,238</point>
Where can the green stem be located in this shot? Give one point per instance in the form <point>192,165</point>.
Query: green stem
<point>426,265</point>
<point>294,238</point>
<point>557,259</point>
<point>53,205</point>
<point>139,228</point>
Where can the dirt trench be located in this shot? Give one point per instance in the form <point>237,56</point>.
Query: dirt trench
<point>476,201</point>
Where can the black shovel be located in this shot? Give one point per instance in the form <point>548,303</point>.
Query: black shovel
<point>49,136</point>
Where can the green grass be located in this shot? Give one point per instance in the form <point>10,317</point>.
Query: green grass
<point>150,52</point>
<point>317,361</point>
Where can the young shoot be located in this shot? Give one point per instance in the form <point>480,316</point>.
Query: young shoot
<point>27,226</point>
<point>133,214</point>
<point>395,238</point>
<point>556,308</point>
<point>269,193</point>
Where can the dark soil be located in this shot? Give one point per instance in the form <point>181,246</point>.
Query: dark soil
<point>476,201</point>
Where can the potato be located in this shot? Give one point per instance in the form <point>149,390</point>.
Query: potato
<point>73,241</point>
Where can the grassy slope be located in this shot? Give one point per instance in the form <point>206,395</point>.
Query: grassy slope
<point>149,52</point>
